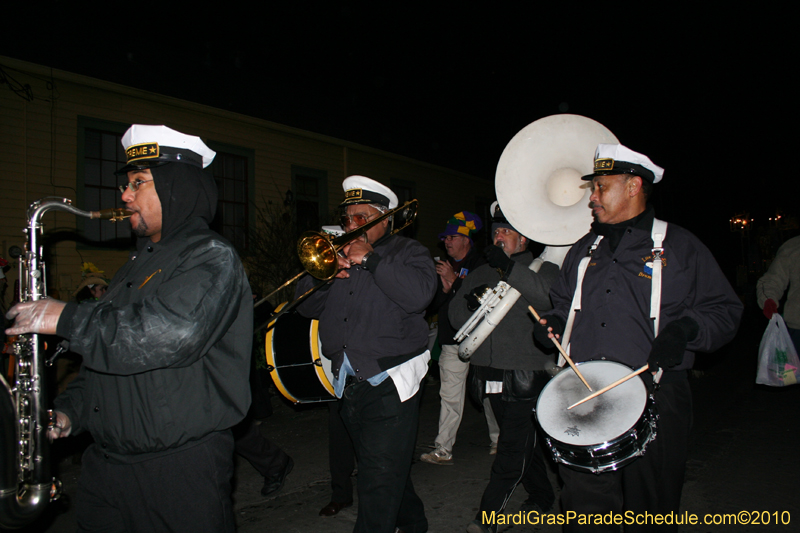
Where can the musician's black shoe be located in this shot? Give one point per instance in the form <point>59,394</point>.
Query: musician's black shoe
<point>532,505</point>
<point>274,483</point>
<point>333,508</point>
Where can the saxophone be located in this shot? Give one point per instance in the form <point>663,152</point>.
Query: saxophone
<point>26,483</point>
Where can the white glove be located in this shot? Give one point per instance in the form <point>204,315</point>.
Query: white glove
<point>40,316</point>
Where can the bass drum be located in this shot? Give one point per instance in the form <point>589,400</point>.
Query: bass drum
<point>605,433</point>
<point>295,361</point>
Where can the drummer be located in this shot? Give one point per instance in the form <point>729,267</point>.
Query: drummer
<point>699,312</point>
<point>510,370</point>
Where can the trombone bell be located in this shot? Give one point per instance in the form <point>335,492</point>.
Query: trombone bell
<point>318,255</point>
<point>318,251</point>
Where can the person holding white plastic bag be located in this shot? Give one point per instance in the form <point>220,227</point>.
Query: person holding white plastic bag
<point>783,272</point>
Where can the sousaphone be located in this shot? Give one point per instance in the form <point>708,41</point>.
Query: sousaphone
<point>540,191</point>
<point>538,180</point>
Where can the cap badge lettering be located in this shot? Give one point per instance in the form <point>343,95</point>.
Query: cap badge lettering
<point>353,193</point>
<point>138,152</point>
<point>603,164</point>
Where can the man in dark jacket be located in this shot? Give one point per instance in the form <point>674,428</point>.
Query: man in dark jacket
<point>462,259</point>
<point>166,353</point>
<point>510,369</point>
<point>372,327</point>
<point>617,322</point>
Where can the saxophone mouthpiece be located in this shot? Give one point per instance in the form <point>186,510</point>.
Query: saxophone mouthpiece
<point>114,214</point>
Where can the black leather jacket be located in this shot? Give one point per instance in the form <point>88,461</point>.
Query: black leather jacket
<point>166,352</point>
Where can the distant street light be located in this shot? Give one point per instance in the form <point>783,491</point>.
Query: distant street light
<point>741,222</point>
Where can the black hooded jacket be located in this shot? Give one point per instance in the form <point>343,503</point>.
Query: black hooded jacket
<point>167,350</point>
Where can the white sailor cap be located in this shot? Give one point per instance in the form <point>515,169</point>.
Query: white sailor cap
<point>611,159</point>
<point>153,146</point>
<point>363,190</point>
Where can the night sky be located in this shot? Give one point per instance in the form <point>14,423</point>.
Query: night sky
<point>708,94</point>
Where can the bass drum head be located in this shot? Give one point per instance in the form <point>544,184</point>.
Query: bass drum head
<point>294,353</point>
<point>599,420</point>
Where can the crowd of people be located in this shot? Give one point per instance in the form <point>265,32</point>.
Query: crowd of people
<point>165,350</point>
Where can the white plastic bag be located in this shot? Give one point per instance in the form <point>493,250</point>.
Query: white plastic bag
<point>778,365</point>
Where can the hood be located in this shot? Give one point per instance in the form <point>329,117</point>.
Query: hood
<point>185,192</point>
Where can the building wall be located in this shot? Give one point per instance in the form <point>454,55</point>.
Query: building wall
<point>40,156</point>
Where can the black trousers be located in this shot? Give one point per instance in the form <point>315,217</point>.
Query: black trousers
<point>652,483</point>
<point>187,491</point>
<point>384,433</point>
<point>262,453</point>
<point>519,457</point>
<point>341,455</point>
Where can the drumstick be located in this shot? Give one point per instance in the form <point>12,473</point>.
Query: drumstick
<point>560,349</point>
<point>609,387</point>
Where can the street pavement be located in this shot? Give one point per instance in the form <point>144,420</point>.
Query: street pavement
<point>742,460</point>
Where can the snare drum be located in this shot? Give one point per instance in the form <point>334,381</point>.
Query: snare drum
<point>294,356</point>
<point>604,433</point>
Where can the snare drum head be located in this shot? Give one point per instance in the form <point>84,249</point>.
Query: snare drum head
<point>599,420</point>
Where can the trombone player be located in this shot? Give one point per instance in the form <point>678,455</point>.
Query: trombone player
<point>372,326</point>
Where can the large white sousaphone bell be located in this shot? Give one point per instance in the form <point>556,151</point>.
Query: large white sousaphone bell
<point>540,191</point>
<point>538,179</point>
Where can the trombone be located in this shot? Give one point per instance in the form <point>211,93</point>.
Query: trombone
<point>318,253</point>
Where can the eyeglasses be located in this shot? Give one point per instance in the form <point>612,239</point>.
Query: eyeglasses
<point>133,185</point>
<point>359,219</point>
<point>448,238</point>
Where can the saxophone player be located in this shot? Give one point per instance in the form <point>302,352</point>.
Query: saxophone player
<point>165,353</point>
